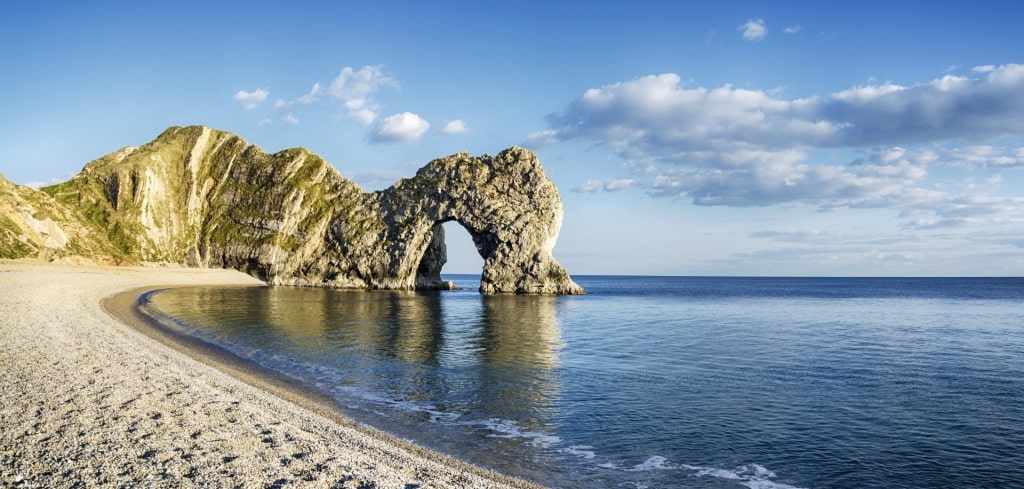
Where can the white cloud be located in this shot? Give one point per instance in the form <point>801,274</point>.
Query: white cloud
<point>753,30</point>
<point>590,186</point>
<point>364,116</point>
<point>357,85</point>
<point>398,128</point>
<point>454,127</point>
<point>989,157</point>
<point>353,88</point>
<point>744,147</point>
<point>250,100</point>
<point>289,119</point>
<point>792,29</point>
<point>947,108</point>
<point>312,96</point>
<point>542,138</point>
<point>617,184</point>
<point>611,185</point>
<point>776,184</point>
<point>658,117</point>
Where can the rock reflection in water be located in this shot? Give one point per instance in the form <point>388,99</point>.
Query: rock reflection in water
<point>482,356</point>
<point>520,331</point>
<point>521,340</point>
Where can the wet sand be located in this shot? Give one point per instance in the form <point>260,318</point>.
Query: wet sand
<point>92,393</point>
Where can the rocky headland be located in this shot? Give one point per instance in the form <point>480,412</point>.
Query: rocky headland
<point>204,198</point>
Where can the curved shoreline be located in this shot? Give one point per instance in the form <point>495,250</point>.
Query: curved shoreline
<point>94,391</point>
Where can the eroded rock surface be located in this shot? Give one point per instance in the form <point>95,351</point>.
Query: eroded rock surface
<point>206,198</point>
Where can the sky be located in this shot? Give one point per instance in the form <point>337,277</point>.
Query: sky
<point>686,138</point>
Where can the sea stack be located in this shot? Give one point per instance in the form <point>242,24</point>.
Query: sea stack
<point>206,198</point>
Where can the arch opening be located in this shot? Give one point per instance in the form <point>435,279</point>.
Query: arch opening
<point>451,247</point>
<point>463,256</point>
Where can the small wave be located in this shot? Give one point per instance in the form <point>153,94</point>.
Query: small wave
<point>582,451</point>
<point>434,413</point>
<point>507,428</point>
<point>656,462</point>
<point>753,476</point>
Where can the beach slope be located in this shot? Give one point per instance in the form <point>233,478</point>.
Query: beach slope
<point>88,399</point>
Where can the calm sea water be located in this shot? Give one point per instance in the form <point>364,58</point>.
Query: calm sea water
<point>664,381</point>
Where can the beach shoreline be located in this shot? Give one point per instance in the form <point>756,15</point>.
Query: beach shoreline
<point>94,392</point>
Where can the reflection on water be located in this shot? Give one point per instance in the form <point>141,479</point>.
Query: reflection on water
<point>665,381</point>
<point>486,362</point>
<point>520,331</point>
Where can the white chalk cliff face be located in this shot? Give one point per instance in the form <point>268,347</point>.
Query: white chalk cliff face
<point>207,198</point>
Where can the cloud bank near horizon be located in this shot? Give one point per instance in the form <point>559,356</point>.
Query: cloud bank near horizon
<point>743,147</point>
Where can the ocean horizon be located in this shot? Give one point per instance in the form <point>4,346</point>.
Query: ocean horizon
<point>646,381</point>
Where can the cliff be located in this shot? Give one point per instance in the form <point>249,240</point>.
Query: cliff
<point>206,198</point>
<point>34,225</point>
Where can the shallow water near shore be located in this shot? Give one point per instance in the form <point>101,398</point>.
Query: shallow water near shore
<point>663,381</point>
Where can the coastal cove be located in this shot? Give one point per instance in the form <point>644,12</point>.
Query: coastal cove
<point>644,382</point>
<point>661,381</point>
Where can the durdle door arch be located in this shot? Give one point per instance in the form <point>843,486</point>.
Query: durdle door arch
<point>506,203</point>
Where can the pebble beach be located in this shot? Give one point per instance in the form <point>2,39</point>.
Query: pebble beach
<point>91,395</point>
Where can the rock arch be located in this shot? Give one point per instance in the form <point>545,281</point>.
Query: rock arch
<point>512,211</point>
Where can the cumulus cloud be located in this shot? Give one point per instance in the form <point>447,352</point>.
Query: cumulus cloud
<point>792,29</point>
<point>250,100</point>
<point>312,96</point>
<point>354,89</point>
<point>454,127</point>
<point>748,147</point>
<point>543,138</point>
<point>658,116</point>
<point>753,30</point>
<point>989,157</point>
<point>611,185</point>
<point>364,116</point>
<point>399,128</point>
<point>289,119</point>
<point>589,186</point>
<point>617,184</point>
<point>761,185</point>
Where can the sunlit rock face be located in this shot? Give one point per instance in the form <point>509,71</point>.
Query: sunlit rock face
<point>206,198</point>
<point>510,208</point>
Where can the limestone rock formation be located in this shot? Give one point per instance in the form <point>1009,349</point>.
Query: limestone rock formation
<point>206,198</point>
<point>34,225</point>
<point>510,208</point>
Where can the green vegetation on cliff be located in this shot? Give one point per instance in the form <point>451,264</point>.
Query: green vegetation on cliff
<point>202,197</point>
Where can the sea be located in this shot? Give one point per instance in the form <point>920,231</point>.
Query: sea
<point>662,382</point>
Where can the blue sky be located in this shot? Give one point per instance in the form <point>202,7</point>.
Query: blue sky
<point>725,138</point>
